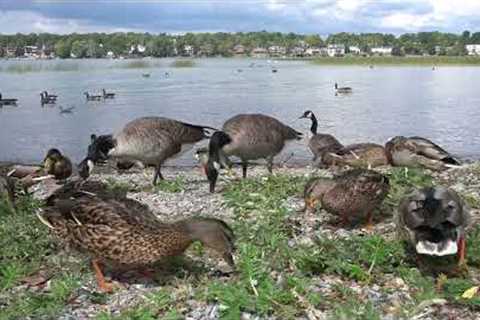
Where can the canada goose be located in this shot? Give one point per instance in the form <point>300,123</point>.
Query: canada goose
<point>57,164</point>
<point>418,152</point>
<point>45,99</point>
<point>366,155</point>
<point>248,137</point>
<point>354,194</point>
<point>125,233</point>
<point>92,97</point>
<point>108,95</point>
<point>433,221</point>
<point>66,110</point>
<point>342,89</point>
<point>320,143</point>
<point>152,140</point>
<point>7,102</point>
<point>50,96</point>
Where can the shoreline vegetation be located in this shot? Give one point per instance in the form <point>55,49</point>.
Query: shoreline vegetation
<point>407,61</point>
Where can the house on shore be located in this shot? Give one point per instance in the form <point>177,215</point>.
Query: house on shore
<point>316,51</point>
<point>336,50</point>
<point>31,52</point>
<point>239,50</point>
<point>297,51</point>
<point>276,51</point>
<point>259,52</point>
<point>382,51</point>
<point>473,49</point>
<point>354,50</point>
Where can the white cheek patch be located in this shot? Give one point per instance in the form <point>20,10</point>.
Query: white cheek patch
<point>90,166</point>
<point>435,249</point>
<point>216,165</point>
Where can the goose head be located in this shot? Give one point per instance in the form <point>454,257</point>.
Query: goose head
<point>435,218</point>
<point>218,140</point>
<point>307,115</point>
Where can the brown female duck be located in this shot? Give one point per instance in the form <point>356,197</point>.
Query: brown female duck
<point>433,222</point>
<point>353,195</point>
<point>125,233</point>
<point>55,163</point>
<point>365,155</point>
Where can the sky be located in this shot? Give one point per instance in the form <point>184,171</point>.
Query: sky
<point>179,16</point>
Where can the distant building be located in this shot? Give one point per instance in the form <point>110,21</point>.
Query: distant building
<point>335,50</point>
<point>239,49</point>
<point>297,51</point>
<point>188,50</point>
<point>259,52</point>
<point>316,51</point>
<point>354,50</point>
<point>110,55</point>
<point>30,52</point>
<point>10,52</point>
<point>137,49</point>
<point>277,50</point>
<point>383,51</point>
<point>473,49</point>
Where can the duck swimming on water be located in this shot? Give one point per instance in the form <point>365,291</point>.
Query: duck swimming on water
<point>342,89</point>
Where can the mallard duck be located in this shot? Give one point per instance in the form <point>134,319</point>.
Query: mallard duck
<point>366,155</point>
<point>418,152</point>
<point>128,235</point>
<point>248,137</point>
<point>353,195</point>
<point>320,143</point>
<point>433,221</point>
<point>57,164</point>
<point>342,89</point>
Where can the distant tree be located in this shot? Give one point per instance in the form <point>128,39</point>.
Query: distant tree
<point>313,40</point>
<point>62,49</point>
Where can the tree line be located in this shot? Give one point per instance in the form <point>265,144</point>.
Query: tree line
<point>96,45</point>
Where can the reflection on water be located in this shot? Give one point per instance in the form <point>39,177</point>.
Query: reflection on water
<point>386,101</point>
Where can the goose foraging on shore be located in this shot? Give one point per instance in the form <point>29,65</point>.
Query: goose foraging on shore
<point>248,137</point>
<point>124,233</point>
<point>320,143</point>
<point>433,221</point>
<point>153,140</point>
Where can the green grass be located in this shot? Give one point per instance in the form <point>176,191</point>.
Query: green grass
<point>390,60</point>
<point>137,64</point>
<point>171,186</point>
<point>182,63</point>
<point>38,66</point>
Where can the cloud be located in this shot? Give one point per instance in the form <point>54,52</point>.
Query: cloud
<point>302,16</point>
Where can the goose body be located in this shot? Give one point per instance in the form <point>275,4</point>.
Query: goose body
<point>418,152</point>
<point>366,155</point>
<point>91,97</point>
<point>352,196</point>
<point>55,163</point>
<point>46,99</point>
<point>153,140</point>
<point>124,232</point>
<point>320,143</point>
<point>433,222</point>
<point>7,102</point>
<point>108,95</point>
<point>342,89</point>
<point>248,137</point>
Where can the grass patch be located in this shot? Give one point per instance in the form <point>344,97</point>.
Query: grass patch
<point>403,181</point>
<point>183,64</point>
<point>119,187</point>
<point>390,60</point>
<point>171,186</point>
<point>40,66</point>
<point>138,64</point>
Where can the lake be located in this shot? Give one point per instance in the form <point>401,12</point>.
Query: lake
<point>441,104</point>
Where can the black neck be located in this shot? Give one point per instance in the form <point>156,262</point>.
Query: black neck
<point>314,126</point>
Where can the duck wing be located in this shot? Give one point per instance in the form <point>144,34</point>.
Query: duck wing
<point>431,150</point>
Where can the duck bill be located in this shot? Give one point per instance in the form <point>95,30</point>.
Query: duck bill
<point>444,248</point>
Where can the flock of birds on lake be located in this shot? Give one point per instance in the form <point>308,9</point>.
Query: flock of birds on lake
<point>113,228</point>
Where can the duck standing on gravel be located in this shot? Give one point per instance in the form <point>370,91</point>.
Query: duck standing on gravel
<point>320,143</point>
<point>433,221</point>
<point>418,152</point>
<point>353,195</point>
<point>153,140</point>
<point>126,233</point>
<point>248,137</point>
<point>58,165</point>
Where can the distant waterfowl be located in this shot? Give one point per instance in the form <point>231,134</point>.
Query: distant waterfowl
<point>319,143</point>
<point>108,95</point>
<point>418,152</point>
<point>342,89</point>
<point>44,99</point>
<point>274,70</point>
<point>248,137</point>
<point>353,195</point>
<point>92,97</point>
<point>153,140</point>
<point>7,102</point>
<point>66,110</point>
<point>50,96</point>
<point>124,233</point>
<point>146,75</point>
<point>365,155</point>
<point>433,221</point>
<point>57,164</point>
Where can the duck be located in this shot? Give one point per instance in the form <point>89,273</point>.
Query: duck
<point>342,89</point>
<point>153,140</point>
<point>366,155</point>
<point>124,233</point>
<point>419,152</point>
<point>58,165</point>
<point>91,97</point>
<point>45,99</point>
<point>66,110</point>
<point>248,137</point>
<point>433,222</point>
<point>108,95</point>
<point>146,75</point>
<point>320,143</point>
<point>353,195</point>
<point>7,102</point>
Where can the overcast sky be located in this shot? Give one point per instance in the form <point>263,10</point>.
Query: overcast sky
<point>300,16</point>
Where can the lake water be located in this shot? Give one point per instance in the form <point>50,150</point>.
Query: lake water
<point>441,104</point>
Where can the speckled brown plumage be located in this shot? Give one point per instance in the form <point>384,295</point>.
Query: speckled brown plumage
<point>57,164</point>
<point>365,155</point>
<point>352,195</point>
